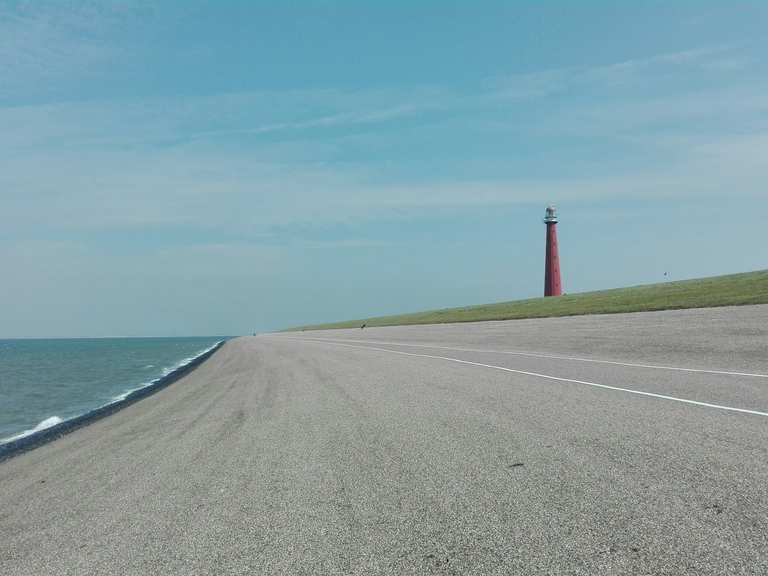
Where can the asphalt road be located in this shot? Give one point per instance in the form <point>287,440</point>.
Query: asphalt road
<point>627,444</point>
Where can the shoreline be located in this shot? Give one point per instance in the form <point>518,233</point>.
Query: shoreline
<point>279,454</point>
<point>29,442</point>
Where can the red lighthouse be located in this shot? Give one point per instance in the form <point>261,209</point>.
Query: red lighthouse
<point>552,286</point>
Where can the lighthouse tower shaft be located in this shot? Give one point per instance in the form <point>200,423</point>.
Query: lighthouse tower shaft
<point>552,284</point>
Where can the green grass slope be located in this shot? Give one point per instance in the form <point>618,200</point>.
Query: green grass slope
<point>731,290</point>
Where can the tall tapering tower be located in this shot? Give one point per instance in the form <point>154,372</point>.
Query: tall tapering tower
<point>552,286</point>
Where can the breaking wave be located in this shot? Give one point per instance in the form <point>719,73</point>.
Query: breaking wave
<point>167,375</point>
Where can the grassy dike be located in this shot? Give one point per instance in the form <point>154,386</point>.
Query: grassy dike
<point>731,290</point>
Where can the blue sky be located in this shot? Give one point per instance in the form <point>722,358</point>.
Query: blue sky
<point>173,168</point>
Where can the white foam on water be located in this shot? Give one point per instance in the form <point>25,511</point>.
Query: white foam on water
<point>47,423</point>
<point>54,420</point>
<point>122,396</point>
<point>165,372</point>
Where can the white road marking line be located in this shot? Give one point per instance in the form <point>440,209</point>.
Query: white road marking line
<point>549,356</point>
<point>538,375</point>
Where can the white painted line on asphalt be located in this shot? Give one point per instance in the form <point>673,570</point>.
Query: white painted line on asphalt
<point>538,375</point>
<point>548,356</point>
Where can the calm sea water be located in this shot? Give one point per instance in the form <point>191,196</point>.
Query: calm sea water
<point>43,382</point>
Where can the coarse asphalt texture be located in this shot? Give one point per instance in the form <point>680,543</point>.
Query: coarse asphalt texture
<point>551,446</point>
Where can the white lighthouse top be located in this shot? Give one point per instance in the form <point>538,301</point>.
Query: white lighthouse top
<point>550,215</point>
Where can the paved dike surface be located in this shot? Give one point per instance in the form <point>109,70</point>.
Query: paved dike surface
<point>486,448</point>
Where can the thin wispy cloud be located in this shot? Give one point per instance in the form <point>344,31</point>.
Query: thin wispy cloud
<point>47,47</point>
<point>148,135</point>
<point>308,181</point>
<point>331,121</point>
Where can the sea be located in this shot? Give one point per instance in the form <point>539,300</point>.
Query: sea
<point>45,382</point>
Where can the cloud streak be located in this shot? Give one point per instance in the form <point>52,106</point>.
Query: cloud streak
<point>47,47</point>
<point>106,164</point>
<point>156,159</point>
